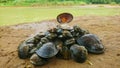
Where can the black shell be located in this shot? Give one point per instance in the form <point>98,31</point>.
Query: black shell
<point>78,32</point>
<point>36,60</point>
<point>69,42</point>
<point>92,43</point>
<point>48,50</point>
<point>78,53</point>
<point>25,47</point>
<point>64,53</point>
<point>23,50</point>
<point>44,40</point>
<point>51,36</point>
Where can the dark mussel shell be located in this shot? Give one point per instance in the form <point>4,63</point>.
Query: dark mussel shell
<point>23,50</point>
<point>25,47</point>
<point>69,42</point>
<point>48,50</point>
<point>38,61</point>
<point>44,40</point>
<point>92,43</point>
<point>64,53</point>
<point>78,32</point>
<point>78,53</point>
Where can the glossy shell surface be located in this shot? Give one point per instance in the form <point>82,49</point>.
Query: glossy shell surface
<point>36,60</point>
<point>92,43</point>
<point>23,50</point>
<point>48,50</point>
<point>64,18</point>
<point>78,53</point>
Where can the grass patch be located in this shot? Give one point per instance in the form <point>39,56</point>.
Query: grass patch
<point>15,15</point>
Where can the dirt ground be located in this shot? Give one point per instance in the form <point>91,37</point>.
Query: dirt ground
<point>106,27</point>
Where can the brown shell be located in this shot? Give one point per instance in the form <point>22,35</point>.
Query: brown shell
<point>64,18</point>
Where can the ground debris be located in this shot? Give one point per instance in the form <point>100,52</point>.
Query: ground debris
<point>118,54</point>
<point>89,62</point>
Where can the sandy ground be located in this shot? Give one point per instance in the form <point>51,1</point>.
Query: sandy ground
<point>106,27</point>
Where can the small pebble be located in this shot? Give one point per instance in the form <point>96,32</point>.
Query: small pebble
<point>9,43</point>
<point>13,54</point>
<point>89,62</point>
<point>2,50</point>
<point>28,66</point>
<point>100,59</point>
<point>118,54</point>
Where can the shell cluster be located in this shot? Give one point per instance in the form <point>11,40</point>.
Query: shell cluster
<point>63,42</point>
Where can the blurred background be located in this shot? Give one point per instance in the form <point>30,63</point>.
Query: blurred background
<point>55,2</point>
<point>26,11</point>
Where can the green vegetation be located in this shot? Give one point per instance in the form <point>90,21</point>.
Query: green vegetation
<point>55,2</point>
<point>15,15</point>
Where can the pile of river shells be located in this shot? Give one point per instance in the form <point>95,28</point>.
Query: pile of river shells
<point>62,41</point>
